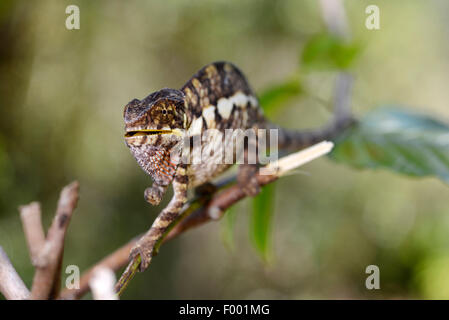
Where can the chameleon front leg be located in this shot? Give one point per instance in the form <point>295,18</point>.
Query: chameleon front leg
<point>146,245</point>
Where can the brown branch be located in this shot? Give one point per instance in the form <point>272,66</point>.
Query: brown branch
<point>120,257</point>
<point>217,206</point>
<point>207,207</point>
<point>11,285</point>
<point>49,260</point>
<point>213,210</point>
<point>334,15</point>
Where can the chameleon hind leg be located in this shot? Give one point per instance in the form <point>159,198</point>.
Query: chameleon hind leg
<point>145,246</point>
<point>246,176</point>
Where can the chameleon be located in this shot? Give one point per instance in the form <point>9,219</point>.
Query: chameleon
<point>217,97</point>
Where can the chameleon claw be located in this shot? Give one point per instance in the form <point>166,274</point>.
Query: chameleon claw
<point>145,256</point>
<point>153,195</point>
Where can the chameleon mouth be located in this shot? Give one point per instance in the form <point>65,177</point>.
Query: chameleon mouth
<point>146,132</point>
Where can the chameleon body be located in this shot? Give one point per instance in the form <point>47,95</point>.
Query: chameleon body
<point>217,97</point>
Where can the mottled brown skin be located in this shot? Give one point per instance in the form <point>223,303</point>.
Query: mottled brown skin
<point>216,97</point>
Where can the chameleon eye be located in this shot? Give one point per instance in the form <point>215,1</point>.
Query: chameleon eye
<point>167,115</point>
<point>163,114</point>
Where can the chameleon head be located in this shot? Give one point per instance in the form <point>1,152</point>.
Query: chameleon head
<point>154,132</point>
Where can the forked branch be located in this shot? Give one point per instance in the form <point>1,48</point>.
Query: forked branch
<point>45,252</point>
<point>47,257</point>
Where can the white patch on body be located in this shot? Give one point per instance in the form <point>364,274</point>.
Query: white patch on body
<point>240,99</point>
<point>196,127</point>
<point>209,116</point>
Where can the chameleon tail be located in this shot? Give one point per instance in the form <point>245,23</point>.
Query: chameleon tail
<point>292,140</point>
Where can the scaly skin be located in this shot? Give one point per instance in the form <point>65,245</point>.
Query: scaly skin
<point>216,97</point>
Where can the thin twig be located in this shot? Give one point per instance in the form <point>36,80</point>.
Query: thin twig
<point>334,15</point>
<point>47,277</point>
<point>342,97</point>
<point>11,285</point>
<point>32,227</point>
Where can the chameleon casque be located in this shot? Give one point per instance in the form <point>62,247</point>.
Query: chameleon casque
<point>217,97</point>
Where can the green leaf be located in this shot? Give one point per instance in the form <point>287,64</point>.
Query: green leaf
<point>328,51</point>
<point>276,96</point>
<point>399,140</point>
<point>261,219</point>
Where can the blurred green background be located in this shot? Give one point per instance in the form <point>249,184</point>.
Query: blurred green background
<point>62,95</point>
